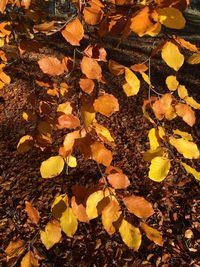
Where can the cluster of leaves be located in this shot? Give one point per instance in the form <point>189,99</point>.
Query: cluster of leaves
<point>84,132</point>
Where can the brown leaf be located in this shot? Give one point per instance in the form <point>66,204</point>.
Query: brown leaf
<point>73,32</point>
<point>91,68</point>
<point>32,213</point>
<point>96,51</point>
<point>118,180</point>
<point>106,104</point>
<point>116,68</point>
<point>68,121</point>
<point>44,27</point>
<point>101,154</point>
<point>152,234</point>
<point>186,113</point>
<point>139,206</point>
<point>93,14</point>
<point>51,66</point>
<point>87,85</point>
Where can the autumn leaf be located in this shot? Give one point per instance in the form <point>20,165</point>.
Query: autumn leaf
<point>68,121</point>
<point>110,214</point>
<point>73,32</point>
<point>171,18</point>
<point>152,234</point>
<point>163,107</point>
<point>91,68</point>
<point>68,222</point>
<point>29,260</point>
<point>51,235</point>
<point>14,249</point>
<point>191,170</point>
<point>194,59</point>
<point>32,212</point>
<point>25,144</point>
<point>139,206</point>
<point>172,83</point>
<point>59,205</point>
<point>182,91</point>
<point>186,113</point>
<point>52,66</point>
<point>52,167</point>
<point>185,44</point>
<point>87,85</point>
<point>79,210</point>
<point>116,68</point>
<point>93,14</point>
<point>103,133</point>
<point>92,202</point>
<point>65,108</point>
<point>106,104</point>
<point>185,135</point>
<point>187,148</point>
<point>3,4</point>
<point>88,113</point>
<point>45,27</point>
<point>118,180</point>
<point>96,51</point>
<point>172,56</point>
<point>132,85</point>
<point>139,67</point>
<point>192,102</point>
<point>150,154</point>
<point>159,169</point>
<point>101,154</point>
<point>130,235</point>
<point>153,138</point>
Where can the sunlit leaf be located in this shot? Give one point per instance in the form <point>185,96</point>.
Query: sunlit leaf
<point>32,212</point>
<point>68,222</point>
<point>51,235</point>
<point>103,133</point>
<point>25,144</point>
<point>101,154</point>
<point>106,104</point>
<point>131,235</point>
<point>185,135</point>
<point>116,68</point>
<point>52,167</point>
<point>3,4</point>
<point>172,56</point>
<point>153,138</point>
<point>65,108</point>
<point>187,148</point>
<point>51,65</point>
<point>171,18</point>
<point>186,113</point>
<point>159,169</point>
<point>87,85</point>
<point>191,170</point>
<point>172,83</point>
<point>192,102</point>
<point>91,68</point>
<point>132,85</point>
<point>182,91</point>
<point>92,202</point>
<point>71,161</point>
<point>150,154</point>
<point>68,121</point>
<point>14,249</point>
<point>118,180</point>
<point>29,260</point>
<point>139,206</point>
<point>194,59</point>
<point>79,209</point>
<point>73,32</point>
<point>93,13</point>
<point>152,234</point>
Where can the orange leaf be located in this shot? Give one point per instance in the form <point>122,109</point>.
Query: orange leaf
<point>68,121</point>
<point>51,66</point>
<point>118,180</point>
<point>186,113</point>
<point>91,68</point>
<point>163,108</point>
<point>96,51</point>
<point>139,67</point>
<point>116,68</point>
<point>106,104</point>
<point>30,260</point>
<point>87,85</point>
<point>44,27</point>
<point>3,4</point>
<point>79,210</point>
<point>139,206</point>
<point>32,212</point>
<point>73,32</point>
<point>152,234</point>
<point>101,154</point>
<point>93,14</point>
<point>14,249</point>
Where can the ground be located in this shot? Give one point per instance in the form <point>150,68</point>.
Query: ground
<point>176,200</point>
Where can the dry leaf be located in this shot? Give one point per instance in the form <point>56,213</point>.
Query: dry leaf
<point>32,212</point>
<point>91,68</point>
<point>51,235</point>
<point>118,180</point>
<point>106,104</point>
<point>101,154</point>
<point>51,66</point>
<point>73,32</point>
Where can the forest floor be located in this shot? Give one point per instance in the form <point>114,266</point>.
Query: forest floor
<point>175,200</point>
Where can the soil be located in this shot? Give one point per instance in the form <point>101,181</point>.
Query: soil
<point>176,200</point>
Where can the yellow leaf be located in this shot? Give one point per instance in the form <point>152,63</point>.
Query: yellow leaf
<point>87,112</point>
<point>51,235</point>
<point>153,138</point>
<point>25,144</point>
<point>71,161</point>
<point>152,234</point>
<point>29,260</point>
<point>132,85</point>
<point>146,78</point>
<point>52,167</point>
<point>92,202</point>
<point>194,59</point>
<point>191,170</point>
<point>193,103</point>
<point>172,83</point>
<point>182,91</point>
<point>29,116</point>
<point>110,214</point>
<point>172,56</point>
<point>159,169</point>
<point>103,133</point>
<point>171,17</point>
<point>14,249</point>
<point>187,148</point>
<point>65,108</point>
<point>150,154</point>
<point>185,135</point>
<point>68,222</point>
<point>59,205</point>
<point>131,235</point>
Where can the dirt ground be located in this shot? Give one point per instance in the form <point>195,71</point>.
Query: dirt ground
<point>176,200</point>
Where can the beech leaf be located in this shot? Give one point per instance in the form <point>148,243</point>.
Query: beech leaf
<point>106,104</point>
<point>52,167</point>
<point>118,180</point>
<point>51,235</point>
<point>159,169</point>
<point>191,170</point>
<point>29,260</point>
<point>73,32</point>
<point>68,222</point>
<point>152,234</point>
<point>171,18</point>
<point>132,85</point>
<point>32,212</point>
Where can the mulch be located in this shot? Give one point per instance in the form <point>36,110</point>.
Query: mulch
<point>175,200</point>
